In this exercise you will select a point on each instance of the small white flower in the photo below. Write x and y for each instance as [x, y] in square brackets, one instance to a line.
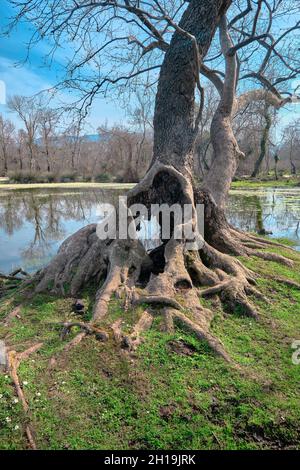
[8, 419]
[6, 377]
[38, 394]
[17, 427]
[15, 400]
[25, 382]
[63, 382]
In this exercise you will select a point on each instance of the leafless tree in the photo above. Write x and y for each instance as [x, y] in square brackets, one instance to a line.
[264, 141]
[292, 142]
[257, 41]
[118, 41]
[7, 130]
[47, 123]
[20, 146]
[28, 110]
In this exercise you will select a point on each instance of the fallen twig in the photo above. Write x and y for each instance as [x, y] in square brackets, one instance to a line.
[14, 359]
[15, 313]
[19, 271]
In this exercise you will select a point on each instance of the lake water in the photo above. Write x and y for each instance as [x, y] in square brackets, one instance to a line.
[33, 223]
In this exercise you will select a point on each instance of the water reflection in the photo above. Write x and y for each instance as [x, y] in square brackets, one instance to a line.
[274, 211]
[33, 223]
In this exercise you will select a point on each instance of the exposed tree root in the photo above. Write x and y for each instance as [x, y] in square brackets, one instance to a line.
[171, 279]
[158, 300]
[86, 328]
[14, 359]
[71, 344]
[202, 334]
[287, 282]
[129, 342]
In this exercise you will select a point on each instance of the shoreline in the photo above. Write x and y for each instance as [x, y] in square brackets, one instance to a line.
[241, 184]
[74, 185]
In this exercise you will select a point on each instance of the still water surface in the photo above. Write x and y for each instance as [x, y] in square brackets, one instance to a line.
[33, 223]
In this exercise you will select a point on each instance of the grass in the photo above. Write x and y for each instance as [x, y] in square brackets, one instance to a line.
[165, 399]
[243, 184]
[256, 184]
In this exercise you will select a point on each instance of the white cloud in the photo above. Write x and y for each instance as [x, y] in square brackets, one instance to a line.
[20, 79]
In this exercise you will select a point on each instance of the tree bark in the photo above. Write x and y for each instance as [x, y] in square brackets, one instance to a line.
[226, 156]
[174, 117]
[226, 152]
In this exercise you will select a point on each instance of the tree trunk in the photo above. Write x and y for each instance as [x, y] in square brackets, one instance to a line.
[31, 155]
[166, 277]
[263, 145]
[20, 158]
[276, 160]
[226, 156]
[293, 166]
[226, 152]
[48, 159]
[130, 174]
[174, 117]
[5, 160]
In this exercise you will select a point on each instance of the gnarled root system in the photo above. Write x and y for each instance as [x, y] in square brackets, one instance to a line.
[170, 280]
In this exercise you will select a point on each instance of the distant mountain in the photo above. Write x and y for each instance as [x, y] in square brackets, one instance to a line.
[93, 137]
[87, 137]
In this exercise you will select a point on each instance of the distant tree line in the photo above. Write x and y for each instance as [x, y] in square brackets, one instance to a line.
[51, 146]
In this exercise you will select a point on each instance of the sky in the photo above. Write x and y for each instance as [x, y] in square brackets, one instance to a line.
[27, 77]
[19, 76]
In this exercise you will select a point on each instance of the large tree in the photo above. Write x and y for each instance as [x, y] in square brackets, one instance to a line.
[255, 60]
[131, 32]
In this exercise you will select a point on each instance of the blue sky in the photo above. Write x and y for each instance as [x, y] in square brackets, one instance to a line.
[31, 76]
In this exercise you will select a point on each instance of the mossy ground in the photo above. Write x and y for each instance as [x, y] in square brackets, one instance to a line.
[175, 394]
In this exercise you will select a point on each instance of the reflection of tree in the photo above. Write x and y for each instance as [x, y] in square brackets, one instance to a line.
[48, 215]
[245, 211]
[273, 210]
[11, 214]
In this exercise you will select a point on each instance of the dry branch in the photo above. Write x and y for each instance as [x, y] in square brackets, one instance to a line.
[14, 359]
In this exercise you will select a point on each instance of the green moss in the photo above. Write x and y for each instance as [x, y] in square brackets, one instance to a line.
[94, 398]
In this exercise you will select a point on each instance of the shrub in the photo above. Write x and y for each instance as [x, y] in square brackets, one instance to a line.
[45, 178]
[21, 176]
[26, 177]
[103, 178]
[84, 178]
[67, 177]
